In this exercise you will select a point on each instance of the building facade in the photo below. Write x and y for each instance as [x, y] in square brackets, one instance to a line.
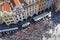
[41, 5]
[1, 14]
[30, 7]
[17, 10]
[18, 13]
[22, 9]
[9, 19]
[6, 13]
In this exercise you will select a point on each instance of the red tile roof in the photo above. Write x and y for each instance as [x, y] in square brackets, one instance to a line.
[16, 2]
[6, 7]
[0, 0]
[0, 7]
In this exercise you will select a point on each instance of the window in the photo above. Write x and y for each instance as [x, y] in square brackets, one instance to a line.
[42, 4]
[23, 16]
[40, 1]
[12, 21]
[32, 7]
[41, 8]
[28, 14]
[29, 2]
[8, 22]
[4, 16]
[16, 16]
[36, 6]
[39, 5]
[2, 0]
[27, 9]
[6, 19]
[46, 0]
[8, 15]
[10, 18]
[20, 17]
[16, 19]
[35, 10]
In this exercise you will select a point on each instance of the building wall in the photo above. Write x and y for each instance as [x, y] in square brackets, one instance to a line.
[9, 19]
[42, 4]
[30, 1]
[18, 13]
[30, 9]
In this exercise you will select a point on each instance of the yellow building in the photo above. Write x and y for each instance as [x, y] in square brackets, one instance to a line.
[41, 4]
[6, 14]
[8, 19]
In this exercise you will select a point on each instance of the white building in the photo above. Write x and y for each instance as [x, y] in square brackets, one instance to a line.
[18, 13]
[30, 8]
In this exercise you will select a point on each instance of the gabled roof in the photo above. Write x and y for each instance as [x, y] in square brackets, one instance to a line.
[15, 2]
[6, 7]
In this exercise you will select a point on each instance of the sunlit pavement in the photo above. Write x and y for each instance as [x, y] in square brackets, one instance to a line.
[56, 34]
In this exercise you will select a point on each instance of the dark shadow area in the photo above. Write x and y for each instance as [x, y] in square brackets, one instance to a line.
[34, 15]
[56, 17]
[3, 26]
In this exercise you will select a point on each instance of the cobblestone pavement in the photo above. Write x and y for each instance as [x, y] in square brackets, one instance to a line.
[33, 32]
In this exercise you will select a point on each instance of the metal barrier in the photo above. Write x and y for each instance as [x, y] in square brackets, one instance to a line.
[10, 29]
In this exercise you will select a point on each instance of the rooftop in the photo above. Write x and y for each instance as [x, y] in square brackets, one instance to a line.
[0, 8]
[6, 7]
